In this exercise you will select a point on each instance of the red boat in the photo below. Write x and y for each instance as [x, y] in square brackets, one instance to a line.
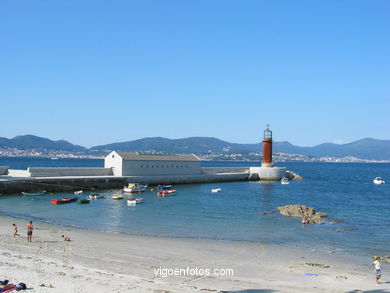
[64, 200]
[165, 190]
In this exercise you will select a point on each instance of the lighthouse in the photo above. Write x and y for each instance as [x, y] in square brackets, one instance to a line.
[267, 171]
[267, 148]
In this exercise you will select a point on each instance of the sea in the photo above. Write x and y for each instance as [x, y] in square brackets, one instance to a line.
[242, 211]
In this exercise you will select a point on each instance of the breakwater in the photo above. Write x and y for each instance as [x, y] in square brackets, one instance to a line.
[12, 185]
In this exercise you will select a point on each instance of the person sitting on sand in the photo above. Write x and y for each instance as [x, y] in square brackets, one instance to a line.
[377, 269]
[66, 238]
[15, 230]
[305, 220]
[5, 288]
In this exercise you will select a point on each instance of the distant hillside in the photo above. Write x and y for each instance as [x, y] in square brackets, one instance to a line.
[368, 148]
[195, 145]
[26, 142]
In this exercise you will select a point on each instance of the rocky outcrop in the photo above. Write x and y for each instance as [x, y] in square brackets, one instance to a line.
[293, 176]
[300, 211]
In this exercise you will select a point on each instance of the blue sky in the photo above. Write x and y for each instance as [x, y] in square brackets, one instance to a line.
[96, 72]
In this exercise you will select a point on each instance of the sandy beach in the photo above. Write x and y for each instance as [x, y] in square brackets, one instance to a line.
[113, 262]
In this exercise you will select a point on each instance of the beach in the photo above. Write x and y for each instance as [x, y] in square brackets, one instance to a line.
[120, 262]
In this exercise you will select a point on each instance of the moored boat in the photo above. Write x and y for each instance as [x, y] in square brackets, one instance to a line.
[34, 193]
[165, 190]
[284, 180]
[95, 196]
[378, 180]
[117, 197]
[83, 201]
[133, 201]
[64, 200]
[135, 187]
[78, 192]
[214, 190]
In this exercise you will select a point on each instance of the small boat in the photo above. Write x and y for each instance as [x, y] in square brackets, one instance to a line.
[134, 201]
[95, 196]
[284, 180]
[64, 200]
[165, 190]
[135, 187]
[214, 190]
[34, 193]
[83, 201]
[378, 180]
[117, 197]
[78, 192]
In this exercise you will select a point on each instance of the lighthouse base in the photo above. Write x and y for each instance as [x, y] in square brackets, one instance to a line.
[268, 173]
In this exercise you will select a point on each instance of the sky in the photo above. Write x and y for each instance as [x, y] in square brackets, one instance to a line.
[95, 72]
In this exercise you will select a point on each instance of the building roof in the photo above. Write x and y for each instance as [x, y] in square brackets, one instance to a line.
[155, 157]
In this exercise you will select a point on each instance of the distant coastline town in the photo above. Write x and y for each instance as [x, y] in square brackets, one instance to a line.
[367, 150]
[239, 157]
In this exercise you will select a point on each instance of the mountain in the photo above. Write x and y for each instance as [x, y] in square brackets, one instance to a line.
[196, 145]
[367, 148]
[26, 142]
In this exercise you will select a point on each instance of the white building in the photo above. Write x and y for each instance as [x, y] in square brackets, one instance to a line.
[134, 164]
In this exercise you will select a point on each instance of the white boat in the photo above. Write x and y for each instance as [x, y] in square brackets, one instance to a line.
[378, 180]
[214, 190]
[284, 180]
[34, 193]
[78, 192]
[134, 201]
[95, 196]
[135, 187]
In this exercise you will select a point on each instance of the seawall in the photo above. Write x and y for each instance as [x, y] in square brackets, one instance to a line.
[71, 183]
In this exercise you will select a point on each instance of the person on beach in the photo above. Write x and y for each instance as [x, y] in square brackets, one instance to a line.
[377, 269]
[304, 220]
[30, 229]
[15, 230]
[7, 288]
[66, 238]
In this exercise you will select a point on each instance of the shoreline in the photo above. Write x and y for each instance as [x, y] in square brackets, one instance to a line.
[328, 250]
[121, 262]
[333, 250]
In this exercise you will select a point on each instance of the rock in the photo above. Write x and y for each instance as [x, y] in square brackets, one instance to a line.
[292, 176]
[296, 210]
[265, 213]
[350, 228]
[321, 215]
[301, 211]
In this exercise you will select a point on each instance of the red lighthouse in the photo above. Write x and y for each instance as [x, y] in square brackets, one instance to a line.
[267, 148]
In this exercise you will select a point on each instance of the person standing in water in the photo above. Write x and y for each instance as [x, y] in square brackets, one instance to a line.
[15, 230]
[377, 269]
[30, 229]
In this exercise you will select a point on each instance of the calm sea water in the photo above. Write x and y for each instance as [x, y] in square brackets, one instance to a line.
[344, 191]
